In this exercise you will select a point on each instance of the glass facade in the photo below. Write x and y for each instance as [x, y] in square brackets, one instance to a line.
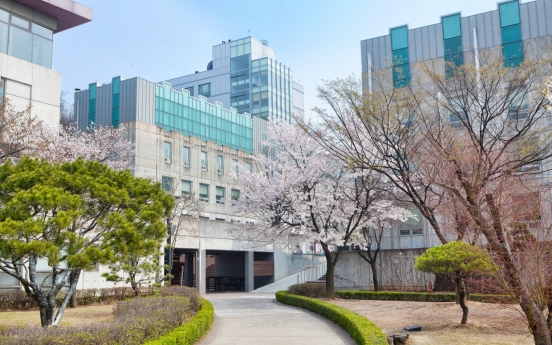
[25, 40]
[115, 88]
[452, 36]
[510, 28]
[92, 105]
[401, 63]
[261, 87]
[177, 111]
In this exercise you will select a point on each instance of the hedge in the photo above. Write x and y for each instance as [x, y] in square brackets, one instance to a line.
[419, 296]
[362, 330]
[191, 331]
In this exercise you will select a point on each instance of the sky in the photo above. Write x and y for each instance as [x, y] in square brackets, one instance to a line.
[163, 39]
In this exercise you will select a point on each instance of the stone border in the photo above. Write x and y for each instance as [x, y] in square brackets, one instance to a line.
[362, 330]
[192, 331]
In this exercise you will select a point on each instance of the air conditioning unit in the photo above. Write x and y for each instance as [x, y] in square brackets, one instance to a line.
[220, 171]
[220, 202]
[167, 160]
[187, 164]
[204, 167]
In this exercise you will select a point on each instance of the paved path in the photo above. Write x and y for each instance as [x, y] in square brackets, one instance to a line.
[257, 319]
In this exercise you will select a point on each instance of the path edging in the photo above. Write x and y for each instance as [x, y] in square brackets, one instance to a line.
[192, 331]
[362, 330]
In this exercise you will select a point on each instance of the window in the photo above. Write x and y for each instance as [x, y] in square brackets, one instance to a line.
[186, 156]
[510, 28]
[452, 36]
[221, 191]
[517, 108]
[457, 114]
[191, 89]
[401, 64]
[92, 88]
[248, 166]
[417, 232]
[185, 188]
[405, 232]
[116, 88]
[220, 164]
[167, 148]
[203, 160]
[204, 192]
[166, 183]
[235, 194]
[235, 165]
[204, 90]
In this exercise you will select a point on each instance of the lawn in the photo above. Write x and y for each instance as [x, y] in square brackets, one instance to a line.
[487, 323]
[71, 317]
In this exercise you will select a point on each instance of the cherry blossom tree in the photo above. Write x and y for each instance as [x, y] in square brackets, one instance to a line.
[300, 194]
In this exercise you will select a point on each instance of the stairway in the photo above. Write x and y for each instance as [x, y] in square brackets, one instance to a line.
[321, 280]
[210, 272]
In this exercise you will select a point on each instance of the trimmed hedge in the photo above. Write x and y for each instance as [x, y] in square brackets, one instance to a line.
[191, 331]
[420, 296]
[362, 330]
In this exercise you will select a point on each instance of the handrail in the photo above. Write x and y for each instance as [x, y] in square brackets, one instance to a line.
[312, 273]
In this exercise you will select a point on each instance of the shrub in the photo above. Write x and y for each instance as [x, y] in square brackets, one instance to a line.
[191, 331]
[191, 293]
[134, 321]
[308, 290]
[419, 296]
[362, 330]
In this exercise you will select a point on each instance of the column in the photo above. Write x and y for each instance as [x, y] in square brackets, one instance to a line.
[249, 272]
[201, 259]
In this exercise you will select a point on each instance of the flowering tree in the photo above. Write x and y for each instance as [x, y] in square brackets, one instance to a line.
[18, 131]
[300, 194]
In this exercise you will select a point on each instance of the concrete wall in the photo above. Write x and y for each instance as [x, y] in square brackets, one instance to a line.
[33, 85]
[230, 264]
[395, 270]
[286, 263]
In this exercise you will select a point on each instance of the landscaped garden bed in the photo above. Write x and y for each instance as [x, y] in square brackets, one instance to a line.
[134, 322]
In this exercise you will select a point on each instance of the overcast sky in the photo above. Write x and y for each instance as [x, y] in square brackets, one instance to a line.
[162, 39]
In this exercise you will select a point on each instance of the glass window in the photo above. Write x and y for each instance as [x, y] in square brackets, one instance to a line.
[405, 232]
[511, 33]
[21, 44]
[235, 194]
[167, 148]
[204, 192]
[186, 155]
[512, 51]
[191, 89]
[517, 108]
[417, 232]
[4, 31]
[451, 26]
[42, 51]
[166, 183]
[509, 13]
[400, 56]
[21, 22]
[239, 63]
[185, 188]
[248, 166]
[204, 90]
[42, 31]
[203, 160]
[234, 165]
[4, 16]
[221, 191]
[220, 164]
[399, 38]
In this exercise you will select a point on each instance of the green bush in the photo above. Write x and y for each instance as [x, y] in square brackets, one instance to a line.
[308, 290]
[191, 331]
[362, 330]
[419, 296]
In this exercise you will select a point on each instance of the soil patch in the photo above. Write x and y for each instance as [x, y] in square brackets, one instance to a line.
[71, 317]
[487, 323]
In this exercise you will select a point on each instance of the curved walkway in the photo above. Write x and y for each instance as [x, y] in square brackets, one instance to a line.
[248, 319]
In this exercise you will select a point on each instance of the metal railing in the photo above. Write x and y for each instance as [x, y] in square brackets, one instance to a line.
[311, 273]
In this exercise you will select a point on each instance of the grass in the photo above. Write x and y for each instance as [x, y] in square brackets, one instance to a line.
[71, 317]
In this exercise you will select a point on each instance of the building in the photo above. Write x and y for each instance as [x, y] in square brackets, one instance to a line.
[514, 31]
[244, 74]
[27, 29]
[189, 145]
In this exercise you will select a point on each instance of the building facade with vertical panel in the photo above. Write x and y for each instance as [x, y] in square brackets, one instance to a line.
[244, 74]
[513, 31]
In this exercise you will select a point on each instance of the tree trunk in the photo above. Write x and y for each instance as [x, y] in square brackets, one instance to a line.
[375, 276]
[330, 287]
[46, 309]
[73, 300]
[461, 288]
